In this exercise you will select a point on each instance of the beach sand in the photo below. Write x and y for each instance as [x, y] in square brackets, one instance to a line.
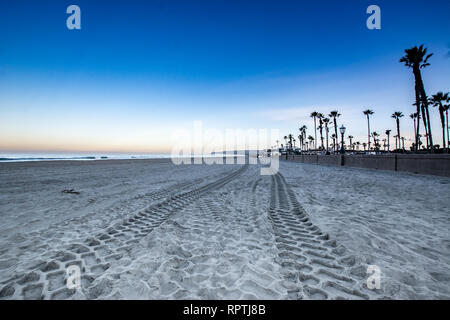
[148, 229]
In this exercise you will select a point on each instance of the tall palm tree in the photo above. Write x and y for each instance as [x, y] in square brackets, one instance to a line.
[335, 114]
[290, 137]
[368, 113]
[320, 116]
[396, 141]
[388, 133]
[446, 107]
[375, 140]
[397, 115]
[437, 100]
[350, 138]
[325, 122]
[303, 134]
[414, 117]
[311, 140]
[314, 115]
[416, 58]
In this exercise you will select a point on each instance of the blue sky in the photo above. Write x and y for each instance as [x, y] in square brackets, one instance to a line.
[137, 70]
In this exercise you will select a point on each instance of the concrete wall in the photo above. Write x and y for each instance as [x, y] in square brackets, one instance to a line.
[310, 159]
[425, 164]
[379, 162]
[422, 164]
[330, 160]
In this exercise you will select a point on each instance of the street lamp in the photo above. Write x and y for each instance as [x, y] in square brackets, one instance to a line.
[342, 130]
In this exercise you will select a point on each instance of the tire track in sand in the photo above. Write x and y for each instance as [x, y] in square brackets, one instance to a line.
[315, 266]
[221, 247]
[47, 279]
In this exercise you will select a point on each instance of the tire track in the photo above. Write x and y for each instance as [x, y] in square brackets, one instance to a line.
[221, 247]
[94, 255]
[314, 266]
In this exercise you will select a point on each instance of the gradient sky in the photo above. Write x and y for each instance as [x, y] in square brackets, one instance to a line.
[138, 70]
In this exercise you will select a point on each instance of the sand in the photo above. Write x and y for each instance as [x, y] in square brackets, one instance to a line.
[147, 229]
[397, 221]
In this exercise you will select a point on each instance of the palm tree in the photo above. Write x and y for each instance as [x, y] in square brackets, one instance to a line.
[368, 113]
[396, 139]
[303, 134]
[357, 145]
[314, 115]
[285, 141]
[437, 100]
[414, 117]
[416, 58]
[321, 116]
[375, 141]
[325, 122]
[364, 145]
[290, 137]
[311, 140]
[350, 138]
[397, 115]
[446, 107]
[388, 133]
[335, 114]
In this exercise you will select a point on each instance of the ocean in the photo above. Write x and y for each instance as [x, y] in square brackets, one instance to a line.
[19, 157]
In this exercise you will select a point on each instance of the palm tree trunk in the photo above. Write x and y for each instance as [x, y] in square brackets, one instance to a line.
[423, 98]
[415, 133]
[321, 137]
[398, 130]
[448, 138]
[315, 134]
[441, 114]
[424, 119]
[335, 133]
[368, 132]
[443, 139]
[416, 72]
[429, 125]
